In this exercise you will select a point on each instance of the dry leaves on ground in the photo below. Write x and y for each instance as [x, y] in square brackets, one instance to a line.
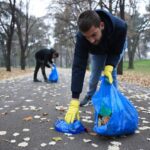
[15, 72]
[140, 79]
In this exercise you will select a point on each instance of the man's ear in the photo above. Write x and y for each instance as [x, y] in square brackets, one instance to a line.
[101, 25]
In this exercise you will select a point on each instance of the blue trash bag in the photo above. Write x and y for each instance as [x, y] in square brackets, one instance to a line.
[73, 128]
[108, 101]
[53, 76]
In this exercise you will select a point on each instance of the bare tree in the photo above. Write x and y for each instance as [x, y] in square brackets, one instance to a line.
[24, 26]
[137, 25]
[7, 23]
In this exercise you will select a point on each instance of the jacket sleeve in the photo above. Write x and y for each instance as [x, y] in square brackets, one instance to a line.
[79, 66]
[47, 60]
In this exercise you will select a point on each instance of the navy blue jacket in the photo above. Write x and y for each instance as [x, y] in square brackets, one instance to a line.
[112, 42]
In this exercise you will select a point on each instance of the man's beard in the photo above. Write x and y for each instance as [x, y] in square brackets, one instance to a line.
[96, 42]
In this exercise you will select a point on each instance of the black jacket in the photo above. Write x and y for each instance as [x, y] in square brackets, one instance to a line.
[112, 43]
[45, 56]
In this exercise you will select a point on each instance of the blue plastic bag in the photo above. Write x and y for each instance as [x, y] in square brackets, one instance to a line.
[73, 128]
[53, 76]
[123, 117]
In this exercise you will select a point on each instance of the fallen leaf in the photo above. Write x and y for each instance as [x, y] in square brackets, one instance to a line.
[4, 113]
[45, 114]
[93, 133]
[71, 138]
[29, 118]
[61, 108]
[57, 139]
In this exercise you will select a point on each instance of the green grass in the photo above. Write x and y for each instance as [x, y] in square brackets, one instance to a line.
[140, 66]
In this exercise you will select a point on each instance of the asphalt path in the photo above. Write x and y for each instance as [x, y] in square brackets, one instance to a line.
[29, 110]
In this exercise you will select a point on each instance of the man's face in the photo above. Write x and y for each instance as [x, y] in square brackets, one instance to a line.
[94, 34]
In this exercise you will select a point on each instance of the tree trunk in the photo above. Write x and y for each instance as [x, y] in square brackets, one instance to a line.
[8, 62]
[130, 54]
[131, 60]
[10, 31]
[122, 5]
[22, 60]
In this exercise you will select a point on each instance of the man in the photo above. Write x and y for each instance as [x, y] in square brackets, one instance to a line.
[103, 35]
[44, 58]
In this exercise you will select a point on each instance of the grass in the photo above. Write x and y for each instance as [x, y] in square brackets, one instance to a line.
[140, 66]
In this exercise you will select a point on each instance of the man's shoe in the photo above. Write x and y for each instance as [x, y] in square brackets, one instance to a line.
[47, 81]
[86, 101]
[36, 80]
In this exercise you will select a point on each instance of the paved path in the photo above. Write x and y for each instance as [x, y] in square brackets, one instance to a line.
[28, 112]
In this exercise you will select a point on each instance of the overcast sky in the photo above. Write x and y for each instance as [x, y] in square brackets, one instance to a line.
[38, 7]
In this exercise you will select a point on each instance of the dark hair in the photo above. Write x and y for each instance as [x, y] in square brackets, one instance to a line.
[87, 19]
[56, 54]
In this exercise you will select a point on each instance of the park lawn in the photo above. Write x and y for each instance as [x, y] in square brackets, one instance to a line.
[140, 66]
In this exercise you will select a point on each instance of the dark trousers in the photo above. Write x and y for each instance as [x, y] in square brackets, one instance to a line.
[39, 64]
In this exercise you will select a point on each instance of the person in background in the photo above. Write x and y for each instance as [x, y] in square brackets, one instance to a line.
[103, 36]
[43, 59]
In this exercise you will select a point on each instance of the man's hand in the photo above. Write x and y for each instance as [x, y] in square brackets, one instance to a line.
[48, 66]
[108, 73]
[73, 111]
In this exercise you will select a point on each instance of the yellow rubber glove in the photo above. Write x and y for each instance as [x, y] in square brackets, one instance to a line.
[108, 73]
[73, 111]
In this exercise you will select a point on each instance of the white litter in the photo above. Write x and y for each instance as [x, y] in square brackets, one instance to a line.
[23, 144]
[36, 117]
[28, 100]
[113, 147]
[43, 144]
[12, 141]
[87, 140]
[3, 132]
[116, 143]
[144, 128]
[52, 143]
[16, 134]
[13, 111]
[26, 139]
[68, 134]
[26, 130]
[148, 139]
[137, 131]
[94, 145]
